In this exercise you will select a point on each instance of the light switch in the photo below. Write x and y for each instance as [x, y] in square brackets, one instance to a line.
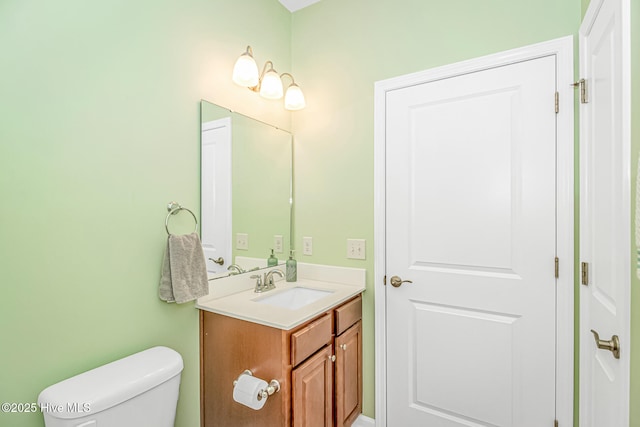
[356, 249]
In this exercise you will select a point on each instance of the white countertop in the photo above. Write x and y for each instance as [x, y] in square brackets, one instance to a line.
[235, 296]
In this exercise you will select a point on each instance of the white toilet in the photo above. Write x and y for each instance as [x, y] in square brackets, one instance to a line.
[139, 390]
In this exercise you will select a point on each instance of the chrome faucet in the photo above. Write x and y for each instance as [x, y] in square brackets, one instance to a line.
[268, 279]
[235, 269]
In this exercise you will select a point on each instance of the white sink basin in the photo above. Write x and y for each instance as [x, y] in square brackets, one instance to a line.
[293, 298]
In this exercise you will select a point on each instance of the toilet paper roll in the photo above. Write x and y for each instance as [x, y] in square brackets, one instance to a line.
[247, 389]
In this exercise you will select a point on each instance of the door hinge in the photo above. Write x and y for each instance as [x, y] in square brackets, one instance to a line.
[557, 270]
[585, 273]
[555, 423]
[557, 102]
[582, 84]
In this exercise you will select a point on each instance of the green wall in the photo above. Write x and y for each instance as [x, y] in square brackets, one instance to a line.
[261, 187]
[370, 41]
[100, 129]
[100, 113]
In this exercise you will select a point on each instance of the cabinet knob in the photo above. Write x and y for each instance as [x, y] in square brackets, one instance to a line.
[332, 357]
[343, 346]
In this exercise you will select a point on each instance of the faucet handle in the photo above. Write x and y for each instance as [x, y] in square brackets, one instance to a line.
[259, 287]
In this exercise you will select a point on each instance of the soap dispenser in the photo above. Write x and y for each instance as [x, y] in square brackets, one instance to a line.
[272, 261]
[292, 268]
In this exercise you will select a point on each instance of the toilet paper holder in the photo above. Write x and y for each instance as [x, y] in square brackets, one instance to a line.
[273, 387]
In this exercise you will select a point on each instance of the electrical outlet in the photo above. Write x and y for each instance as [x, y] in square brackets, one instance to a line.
[356, 249]
[307, 246]
[242, 241]
[277, 243]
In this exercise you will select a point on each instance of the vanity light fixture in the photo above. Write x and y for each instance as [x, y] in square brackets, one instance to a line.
[268, 83]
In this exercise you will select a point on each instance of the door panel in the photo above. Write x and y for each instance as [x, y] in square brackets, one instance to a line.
[215, 193]
[451, 157]
[470, 220]
[604, 215]
[482, 358]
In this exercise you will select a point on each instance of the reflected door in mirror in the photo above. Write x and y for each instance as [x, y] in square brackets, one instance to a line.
[216, 194]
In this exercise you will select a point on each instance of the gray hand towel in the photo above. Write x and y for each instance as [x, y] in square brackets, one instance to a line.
[184, 273]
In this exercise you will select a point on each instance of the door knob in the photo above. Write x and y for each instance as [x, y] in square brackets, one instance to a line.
[218, 261]
[613, 345]
[396, 281]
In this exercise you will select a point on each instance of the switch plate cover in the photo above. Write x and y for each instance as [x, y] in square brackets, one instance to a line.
[356, 249]
[307, 246]
[277, 243]
[242, 241]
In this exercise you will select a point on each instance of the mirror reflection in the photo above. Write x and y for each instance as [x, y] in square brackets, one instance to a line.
[246, 191]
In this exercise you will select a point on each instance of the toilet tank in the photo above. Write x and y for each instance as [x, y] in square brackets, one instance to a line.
[139, 390]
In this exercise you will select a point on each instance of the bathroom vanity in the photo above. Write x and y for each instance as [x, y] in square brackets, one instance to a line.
[313, 348]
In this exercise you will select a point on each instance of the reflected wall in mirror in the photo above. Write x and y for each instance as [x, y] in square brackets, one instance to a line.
[246, 190]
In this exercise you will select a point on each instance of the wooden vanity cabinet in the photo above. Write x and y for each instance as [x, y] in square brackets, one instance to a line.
[318, 364]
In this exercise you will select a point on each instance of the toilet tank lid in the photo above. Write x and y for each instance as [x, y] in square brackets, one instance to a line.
[108, 385]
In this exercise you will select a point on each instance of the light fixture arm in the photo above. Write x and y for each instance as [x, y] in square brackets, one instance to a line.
[287, 74]
[257, 87]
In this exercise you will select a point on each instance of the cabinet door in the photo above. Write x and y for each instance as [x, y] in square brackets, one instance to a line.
[313, 391]
[348, 381]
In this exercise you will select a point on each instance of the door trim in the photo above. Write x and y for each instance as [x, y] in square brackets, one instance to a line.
[562, 48]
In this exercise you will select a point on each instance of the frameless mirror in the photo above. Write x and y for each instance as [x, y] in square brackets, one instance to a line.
[246, 191]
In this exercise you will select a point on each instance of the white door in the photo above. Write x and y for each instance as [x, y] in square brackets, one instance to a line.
[604, 214]
[471, 222]
[215, 194]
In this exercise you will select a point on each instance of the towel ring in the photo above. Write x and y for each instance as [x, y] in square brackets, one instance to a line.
[173, 209]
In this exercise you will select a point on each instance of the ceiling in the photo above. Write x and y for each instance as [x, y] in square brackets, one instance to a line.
[294, 5]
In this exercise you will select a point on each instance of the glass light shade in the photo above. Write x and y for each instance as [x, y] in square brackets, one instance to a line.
[294, 98]
[271, 87]
[245, 72]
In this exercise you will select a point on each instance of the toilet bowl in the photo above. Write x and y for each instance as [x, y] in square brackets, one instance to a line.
[139, 390]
